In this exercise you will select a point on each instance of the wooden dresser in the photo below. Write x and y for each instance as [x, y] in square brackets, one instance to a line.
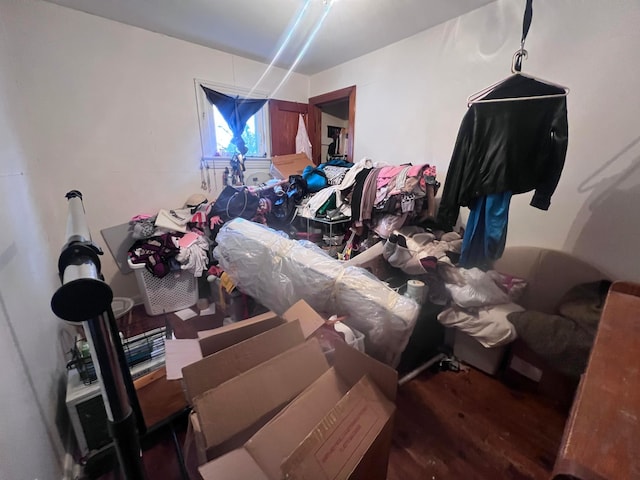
[602, 436]
[159, 398]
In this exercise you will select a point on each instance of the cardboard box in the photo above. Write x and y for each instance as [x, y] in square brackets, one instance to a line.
[217, 339]
[256, 340]
[212, 341]
[352, 440]
[283, 166]
[271, 397]
[298, 323]
[240, 402]
[211, 371]
[190, 351]
[339, 426]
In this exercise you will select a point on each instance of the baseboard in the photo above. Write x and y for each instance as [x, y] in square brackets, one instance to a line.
[137, 299]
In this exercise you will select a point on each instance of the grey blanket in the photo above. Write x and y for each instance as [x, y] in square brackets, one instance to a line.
[564, 340]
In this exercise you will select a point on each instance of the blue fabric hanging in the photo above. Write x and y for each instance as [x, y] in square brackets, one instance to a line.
[486, 232]
[236, 111]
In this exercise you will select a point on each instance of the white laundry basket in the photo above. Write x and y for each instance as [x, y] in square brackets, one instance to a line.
[174, 291]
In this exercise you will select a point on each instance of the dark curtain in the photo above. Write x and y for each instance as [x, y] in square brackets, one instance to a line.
[236, 111]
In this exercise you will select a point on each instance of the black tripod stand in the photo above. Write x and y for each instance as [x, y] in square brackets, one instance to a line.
[85, 298]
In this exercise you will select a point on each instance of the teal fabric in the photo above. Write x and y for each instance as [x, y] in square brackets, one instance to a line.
[315, 178]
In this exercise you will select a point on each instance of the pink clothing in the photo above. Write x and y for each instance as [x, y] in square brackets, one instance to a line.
[387, 174]
[142, 216]
[403, 179]
[415, 170]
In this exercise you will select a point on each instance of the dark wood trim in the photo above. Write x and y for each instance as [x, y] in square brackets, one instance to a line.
[315, 119]
[332, 96]
[289, 106]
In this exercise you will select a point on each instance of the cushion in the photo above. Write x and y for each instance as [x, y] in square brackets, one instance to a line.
[549, 274]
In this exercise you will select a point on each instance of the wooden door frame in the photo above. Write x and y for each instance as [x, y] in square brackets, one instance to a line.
[315, 119]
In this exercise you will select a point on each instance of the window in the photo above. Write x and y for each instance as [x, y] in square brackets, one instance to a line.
[216, 135]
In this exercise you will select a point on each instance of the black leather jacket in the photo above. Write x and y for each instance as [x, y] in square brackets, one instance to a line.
[515, 145]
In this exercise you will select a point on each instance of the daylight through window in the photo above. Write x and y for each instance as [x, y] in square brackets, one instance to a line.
[216, 135]
[224, 145]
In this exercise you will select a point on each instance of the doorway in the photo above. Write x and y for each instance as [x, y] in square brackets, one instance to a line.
[341, 106]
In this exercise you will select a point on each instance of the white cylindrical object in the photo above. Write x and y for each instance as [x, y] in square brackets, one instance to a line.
[77, 228]
[416, 290]
[86, 270]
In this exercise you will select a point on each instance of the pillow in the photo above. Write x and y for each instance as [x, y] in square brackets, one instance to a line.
[488, 325]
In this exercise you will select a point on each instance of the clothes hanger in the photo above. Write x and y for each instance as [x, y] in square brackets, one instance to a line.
[478, 97]
[516, 70]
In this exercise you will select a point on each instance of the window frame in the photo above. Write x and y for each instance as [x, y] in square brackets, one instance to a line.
[207, 124]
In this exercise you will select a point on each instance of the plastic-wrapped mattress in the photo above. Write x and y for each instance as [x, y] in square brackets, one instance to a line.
[278, 272]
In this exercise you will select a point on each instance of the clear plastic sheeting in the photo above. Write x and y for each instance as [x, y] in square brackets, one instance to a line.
[278, 272]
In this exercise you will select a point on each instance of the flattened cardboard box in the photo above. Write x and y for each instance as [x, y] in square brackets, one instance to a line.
[282, 166]
[212, 341]
[217, 339]
[339, 427]
[185, 352]
[254, 341]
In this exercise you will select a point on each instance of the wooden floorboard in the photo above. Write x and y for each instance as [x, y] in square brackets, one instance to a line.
[469, 425]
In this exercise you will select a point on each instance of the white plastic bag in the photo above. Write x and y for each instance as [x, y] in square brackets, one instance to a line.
[479, 290]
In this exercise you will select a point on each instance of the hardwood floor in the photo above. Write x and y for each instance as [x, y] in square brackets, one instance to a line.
[468, 425]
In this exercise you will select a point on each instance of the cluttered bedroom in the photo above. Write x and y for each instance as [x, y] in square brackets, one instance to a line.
[320, 239]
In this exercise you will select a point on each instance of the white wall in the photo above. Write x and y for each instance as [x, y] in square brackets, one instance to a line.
[411, 98]
[110, 110]
[31, 364]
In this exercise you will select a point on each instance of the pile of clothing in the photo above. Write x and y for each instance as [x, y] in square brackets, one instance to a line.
[173, 240]
[480, 304]
[380, 197]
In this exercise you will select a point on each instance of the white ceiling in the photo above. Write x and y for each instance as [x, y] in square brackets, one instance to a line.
[257, 28]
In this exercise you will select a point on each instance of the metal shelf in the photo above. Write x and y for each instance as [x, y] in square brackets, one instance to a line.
[325, 221]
